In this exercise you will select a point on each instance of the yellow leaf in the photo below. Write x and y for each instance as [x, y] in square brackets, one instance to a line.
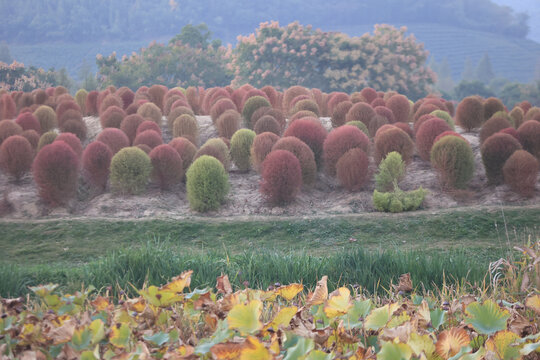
[339, 303]
[450, 342]
[421, 344]
[274, 346]
[501, 345]
[100, 303]
[423, 311]
[320, 294]
[283, 318]
[290, 291]
[255, 350]
[119, 336]
[179, 282]
[227, 350]
[245, 318]
[533, 302]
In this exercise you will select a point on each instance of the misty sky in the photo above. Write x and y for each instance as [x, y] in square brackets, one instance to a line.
[531, 7]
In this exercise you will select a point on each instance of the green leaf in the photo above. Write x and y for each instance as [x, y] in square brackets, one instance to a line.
[159, 338]
[98, 330]
[393, 351]
[487, 318]
[380, 317]
[43, 290]
[120, 335]
[464, 354]
[300, 349]
[464, 351]
[81, 339]
[88, 355]
[319, 355]
[354, 318]
[245, 317]
[529, 348]
[221, 334]
[437, 318]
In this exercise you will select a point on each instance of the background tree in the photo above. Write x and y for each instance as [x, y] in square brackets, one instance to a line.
[484, 70]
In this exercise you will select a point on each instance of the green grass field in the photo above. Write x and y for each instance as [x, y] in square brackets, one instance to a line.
[369, 250]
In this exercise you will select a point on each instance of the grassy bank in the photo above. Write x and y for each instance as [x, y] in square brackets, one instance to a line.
[365, 250]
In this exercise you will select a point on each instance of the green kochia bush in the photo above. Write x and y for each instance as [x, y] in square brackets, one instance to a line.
[241, 143]
[130, 170]
[454, 159]
[207, 184]
[399, 200]
[252, 104]
[391, 169]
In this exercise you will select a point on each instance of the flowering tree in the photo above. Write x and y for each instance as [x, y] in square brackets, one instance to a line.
[282, 56]
[15, 77]
[386, 60]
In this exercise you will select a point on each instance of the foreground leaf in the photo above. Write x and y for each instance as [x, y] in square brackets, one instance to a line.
[487, 318]
[245, 318]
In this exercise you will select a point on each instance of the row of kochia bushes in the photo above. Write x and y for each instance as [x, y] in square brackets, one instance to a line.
[278, 134]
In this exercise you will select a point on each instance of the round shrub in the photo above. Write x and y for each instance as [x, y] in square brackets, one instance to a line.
[96, 161]
[359, 125]
[399, 104]
[175, 113]
[220, 107]
[224, 154]
[378, 102]
[168, 105]
[491, 106]
[352, 169]
[150, 110]
[405, 127]
[91, 103]
[253, 92]
[525, 106]
[447, 133]
[109, 101]
[130, 124]
[28, 121]
[261, 147]
[56, 170]
[418, 123]
[396, 140]
[426, 135]
[369, 94]
[149, 138]
[470, 113]
[281, 177]
[207, 184]
[296, 100]
[292, 93]
[60, 90]
[32, 136]
[383, 129]
[69, 115]
[441, 114]
[391, 171]
[112, 117]
[251, 105]
[40, 96]
[193, 98]
[510, 131]
[241, 143]
[132, 109]
[72, 140]
[9, 128]
[376, 123]
[130, 170]
[148, 125]
[386, 112]
[157, 94]
[312, 133]
[46, 139]
[127, 96]
[144, 148]
[336, 98]
[279, 116]
[532, 114]
[228, 123]
[167, 167]
[521, 172]
[529, 137]
[357, 97]
[66, 106]
[260, 112]
[492, 126]
[185, 149]
[16, 155]
[495, 151]
[8, 108]
[454, 160]
[186, 125]
[114, 138]
[76, 127]
[360, 111]
[517, 116]
[306, 104]
[267, 123]
[302, 114]
[341, 140]
[304, 155]
[425, 109]
[80, 99]
[272, 95]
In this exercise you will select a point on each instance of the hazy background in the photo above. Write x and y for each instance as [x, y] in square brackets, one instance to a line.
[458, 33]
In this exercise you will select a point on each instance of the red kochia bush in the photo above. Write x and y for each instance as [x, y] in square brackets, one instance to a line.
[492, 126]
[112, 117]
[352, 169]
[510, 131]
[393, 139]
[185, 149]
[55, 171]
[148, 137]
[267, 123]
[16, 155]
[426, 135]
[281, 177]
[32, 136]
[114, 138]
[304, 155]
[341, 140]
[495, 151]
[167, 168]
[470, 113]
[369, 94]
[340, 112]
[386, 112]
[334, 99]
[261, 147]
[157, 94]
[445, 133]
[405, 127]
[228, 123]
[77, 127]
[491, 106]
[130, 124]
[91, 103]
[127, 96]
[290, 94]
[96, 161]
[192, 96]
[28, 121]
[310, 132]
[360, 111]
[378, 102]
[9, 128]
[66, 106]
[110, 100]
[148, 125]
[72, 140]
[272, 96]
[521, 172]
[8, 109]
[529, 136]
[220, 107]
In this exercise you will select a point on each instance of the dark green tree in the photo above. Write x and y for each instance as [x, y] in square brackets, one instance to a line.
[484, 70]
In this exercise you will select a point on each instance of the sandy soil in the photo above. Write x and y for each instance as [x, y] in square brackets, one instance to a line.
[325, 197]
